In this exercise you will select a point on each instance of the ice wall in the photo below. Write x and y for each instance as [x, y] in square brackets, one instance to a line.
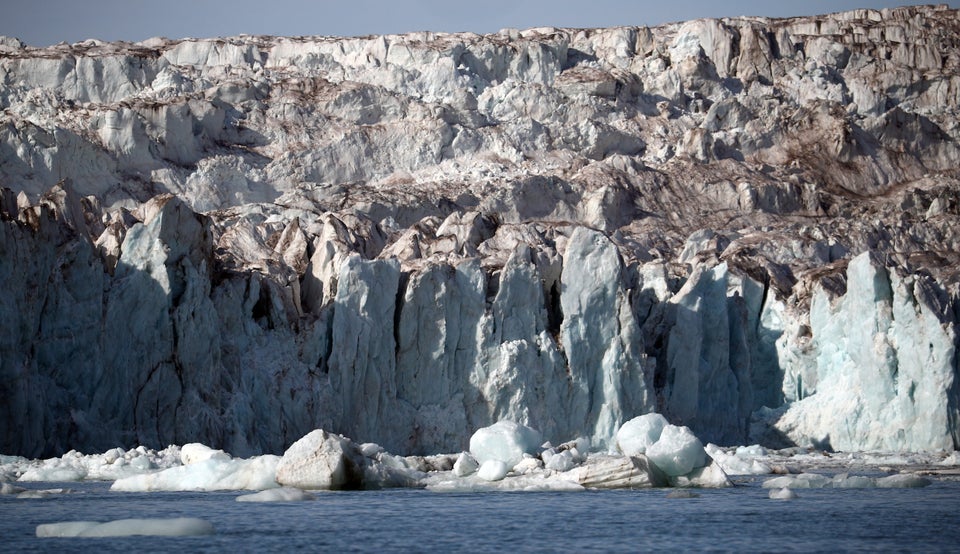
[748, 225]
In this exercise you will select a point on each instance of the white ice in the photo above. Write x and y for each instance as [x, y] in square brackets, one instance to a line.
[113, 464]
[743, 462]
[175, 527]
[638, 434]
[845, 481]
[493, 470]
[678, 451]
[465, 465]
[283, 494]
[538, 482]
[257, 473]
[782, 494]
[195, 452]
[505, 441]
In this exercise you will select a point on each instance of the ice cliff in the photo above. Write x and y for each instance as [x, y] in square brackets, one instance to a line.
[750, 226]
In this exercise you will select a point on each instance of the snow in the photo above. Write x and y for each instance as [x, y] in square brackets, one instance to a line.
[505, 441]
[175, 527]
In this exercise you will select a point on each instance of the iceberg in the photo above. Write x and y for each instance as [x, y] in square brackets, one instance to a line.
[677, 451]
[175, 527]
[505, 442]
[282, 494]
[212, 474]
[845, 481]
[640, 433]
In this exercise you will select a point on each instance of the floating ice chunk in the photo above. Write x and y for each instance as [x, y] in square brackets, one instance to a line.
[578, 447]
[176, 527]
[321, 460]
[493, 470]
[283, 494]
[195, 452]
[141, 463]
[7, 488]
[505, 441]
[113, 464]
[43, 493]
[678, 451]
[638, 434]
[752, 451]
[844, 481]
[734, 464]
[617, 472]
[801, 481]
[465, 465]
[370, 449]
[112, 455]
[951, 460]
[257, 473]
[710, 476]
[902, 481]
[682, 494]
[782, 494]
[529, 483]
[560, 461]
[54, 470]
[528, 464]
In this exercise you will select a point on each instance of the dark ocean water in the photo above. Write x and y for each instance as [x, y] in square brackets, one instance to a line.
[741, 519]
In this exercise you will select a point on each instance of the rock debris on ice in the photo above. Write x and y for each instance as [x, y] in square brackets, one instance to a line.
[747, 225]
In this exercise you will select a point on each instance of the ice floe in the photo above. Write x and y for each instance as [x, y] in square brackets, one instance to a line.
[508, 456]
[175, 527]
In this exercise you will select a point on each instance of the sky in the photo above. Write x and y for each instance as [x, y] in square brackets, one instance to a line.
[45, 22]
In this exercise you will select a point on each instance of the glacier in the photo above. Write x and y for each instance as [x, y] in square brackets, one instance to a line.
[750, 226]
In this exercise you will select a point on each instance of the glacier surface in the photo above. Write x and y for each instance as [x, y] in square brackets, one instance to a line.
[750, 226]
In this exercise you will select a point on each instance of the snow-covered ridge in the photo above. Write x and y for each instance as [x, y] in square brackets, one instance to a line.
[748, 225]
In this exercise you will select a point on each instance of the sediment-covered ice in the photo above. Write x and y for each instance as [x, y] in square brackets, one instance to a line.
[175, 527]
[747, 224]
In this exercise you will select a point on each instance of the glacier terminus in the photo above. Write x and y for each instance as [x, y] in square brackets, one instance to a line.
[748, 226]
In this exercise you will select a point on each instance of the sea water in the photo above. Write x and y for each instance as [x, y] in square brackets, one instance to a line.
[741, 519]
